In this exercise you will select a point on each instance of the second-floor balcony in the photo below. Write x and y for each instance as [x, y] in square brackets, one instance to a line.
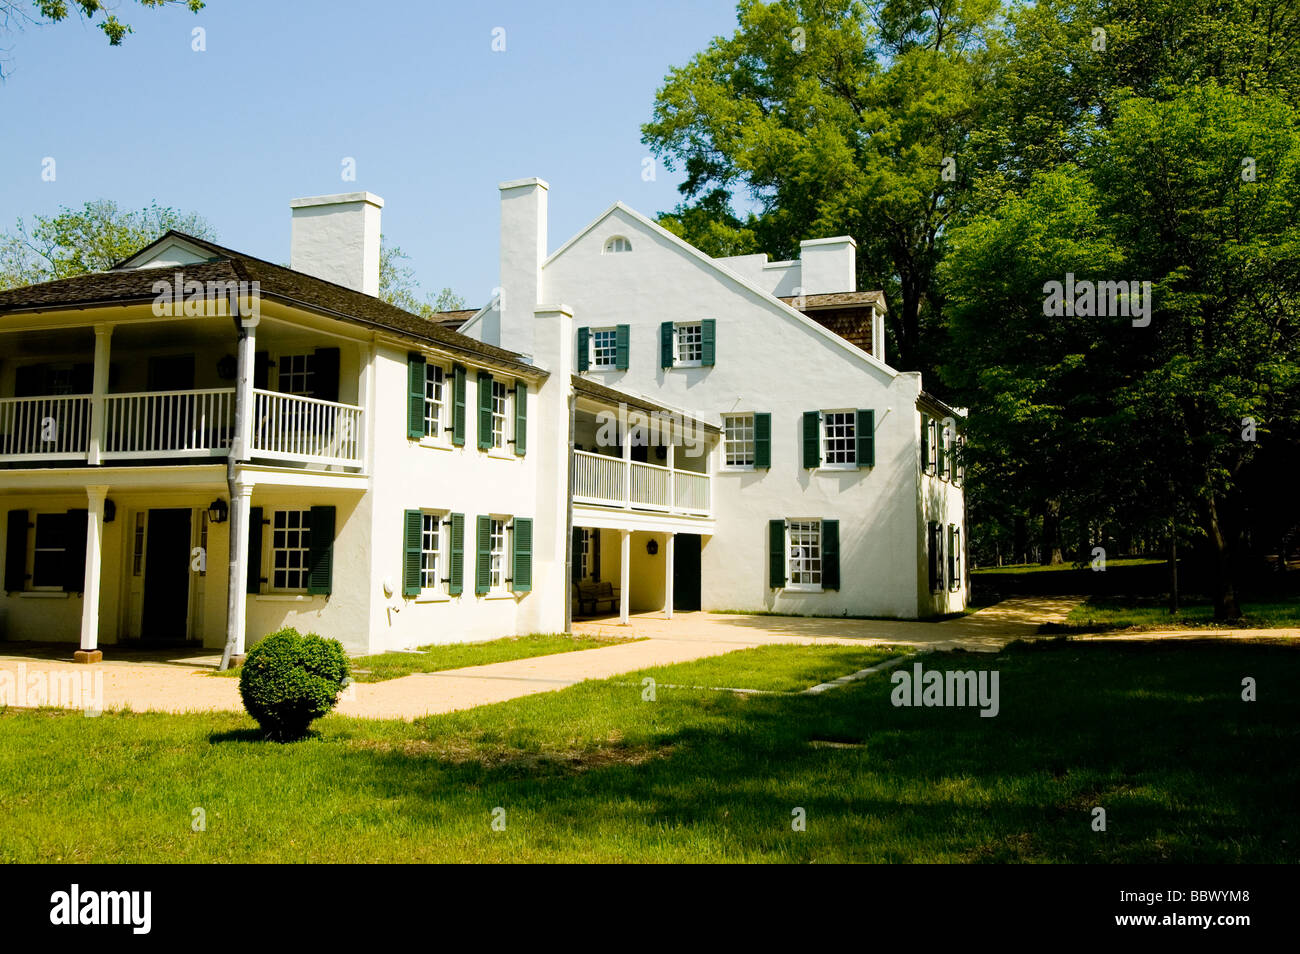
[613, 482]
[147, 425]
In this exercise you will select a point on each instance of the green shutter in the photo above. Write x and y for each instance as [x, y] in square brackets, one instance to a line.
[320, 575]
[521, 418]
[866, 438]
[484, 410]
[830, 554]
[776, 553]
[812, 444]
[584, 349]
[458, 405]
[575, 556]
[16, 551]
[74, 554]
[456, 577]
[415, 395]
[709, 349]
[412, 532]
[261, 370]
[620, 347]
[483, 565]
[522, 561]
[763, 440]
[925, 442]
[666, 344]
[254, 582]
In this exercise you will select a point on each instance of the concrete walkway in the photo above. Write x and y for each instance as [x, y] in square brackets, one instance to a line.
[184, 683]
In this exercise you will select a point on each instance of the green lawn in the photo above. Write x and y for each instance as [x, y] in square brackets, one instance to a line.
[772, 668]
[1155, 733]
[386, 666]
[1068, 565]
[1101, 613]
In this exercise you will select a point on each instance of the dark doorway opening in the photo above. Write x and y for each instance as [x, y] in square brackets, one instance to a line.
[167, 576]
[686, 572]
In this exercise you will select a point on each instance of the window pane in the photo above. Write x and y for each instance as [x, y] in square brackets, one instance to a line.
[690, 342]
[840, 430]
[290, 549]
[498, 414]
[805, 552]
[738, 439]
[604, 348]
[433, 400]
[429, 551]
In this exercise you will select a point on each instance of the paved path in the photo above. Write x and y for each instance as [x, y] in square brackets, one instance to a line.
[185, 683]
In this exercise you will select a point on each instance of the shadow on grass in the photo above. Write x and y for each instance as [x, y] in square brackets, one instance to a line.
[1159, 736]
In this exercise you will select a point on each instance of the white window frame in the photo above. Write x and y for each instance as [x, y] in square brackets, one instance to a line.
[824, 437]
[616, 244]
[746, 425]
[436, 380]
[498, 561]
[678, 328]
[30, 582]
[593, 351]
[270, 549]
[500, 421]
[436, 587]
[803, 586]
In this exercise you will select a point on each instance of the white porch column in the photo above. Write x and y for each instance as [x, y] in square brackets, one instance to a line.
[103, 334]
[237, 595]
[243, 449]
[672, 477]
[89, 651]
[627, 460]
[669, 548]
[625, 574]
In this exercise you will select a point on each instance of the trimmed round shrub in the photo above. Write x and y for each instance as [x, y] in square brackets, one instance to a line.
[290, 680]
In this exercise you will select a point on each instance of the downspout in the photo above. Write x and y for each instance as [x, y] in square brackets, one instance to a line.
[568, 515]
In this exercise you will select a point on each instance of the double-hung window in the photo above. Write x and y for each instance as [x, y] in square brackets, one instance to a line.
[804, 554]
[689, 344]
[738, 440]
[296, 374]
[430, 551]
[839, 439]
[49, 551]
[954, 557]
[496, 555]
[500, 395]
[604, 348]
[290, 549]
[435, 399]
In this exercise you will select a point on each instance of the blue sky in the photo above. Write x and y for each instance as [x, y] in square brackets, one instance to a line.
[413, 91]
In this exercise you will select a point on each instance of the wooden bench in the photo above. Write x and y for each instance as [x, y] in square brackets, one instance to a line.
[593, 594]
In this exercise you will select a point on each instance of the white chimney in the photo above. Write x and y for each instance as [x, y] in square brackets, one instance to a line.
[828, 265]
[336, 237]
[523, 249]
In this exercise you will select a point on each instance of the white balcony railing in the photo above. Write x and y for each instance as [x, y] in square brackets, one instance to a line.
[161, 424]
[182, 423]
[51, 428]
[306, 429]
[602, 480]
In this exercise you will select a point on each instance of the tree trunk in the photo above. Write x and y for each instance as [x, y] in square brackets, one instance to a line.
[1173, 568]
[1225, 594]
[1020, 540]
[1051, 555]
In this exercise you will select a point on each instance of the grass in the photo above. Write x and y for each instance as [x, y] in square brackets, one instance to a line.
[385, 666]
[1100, 614]
[772, 668]
[1017, 568]
[1157, 734]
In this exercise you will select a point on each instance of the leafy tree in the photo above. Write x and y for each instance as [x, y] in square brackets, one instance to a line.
[15, 14]
[398, 285]
[834, 117]
[95, 237]
[1200, 195]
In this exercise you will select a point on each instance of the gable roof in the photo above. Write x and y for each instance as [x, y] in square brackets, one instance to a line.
[689, 249]
[135, 285]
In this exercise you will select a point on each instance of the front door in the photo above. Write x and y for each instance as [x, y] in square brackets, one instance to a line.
[686, 572]
[167, 575]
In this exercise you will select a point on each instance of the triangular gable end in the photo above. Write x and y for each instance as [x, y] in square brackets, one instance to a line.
[171, 250]
[691, 251]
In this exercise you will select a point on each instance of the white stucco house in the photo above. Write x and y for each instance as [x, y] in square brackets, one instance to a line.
[201, 446]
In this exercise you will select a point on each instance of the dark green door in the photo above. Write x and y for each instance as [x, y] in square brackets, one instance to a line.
[686, 572]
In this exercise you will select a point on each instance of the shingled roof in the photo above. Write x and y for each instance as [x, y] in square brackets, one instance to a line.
[123, 286]
[607, 395]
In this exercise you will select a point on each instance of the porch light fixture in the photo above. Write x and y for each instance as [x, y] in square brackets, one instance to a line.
[217, 511]
[652, 547]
